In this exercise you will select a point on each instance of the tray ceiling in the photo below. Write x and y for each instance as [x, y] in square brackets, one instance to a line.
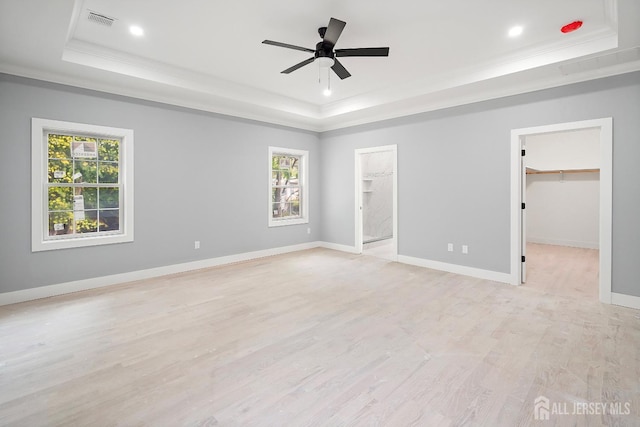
[208, 54]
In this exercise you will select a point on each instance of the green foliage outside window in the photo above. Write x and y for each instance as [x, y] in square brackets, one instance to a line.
[285, 183]
[92, 173]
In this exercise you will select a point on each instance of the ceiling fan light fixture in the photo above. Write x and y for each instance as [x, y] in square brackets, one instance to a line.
[325, 62]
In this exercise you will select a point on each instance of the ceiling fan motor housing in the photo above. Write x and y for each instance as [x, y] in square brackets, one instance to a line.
[323, 50]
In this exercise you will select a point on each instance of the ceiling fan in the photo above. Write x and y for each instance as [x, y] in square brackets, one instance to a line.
[325, 53]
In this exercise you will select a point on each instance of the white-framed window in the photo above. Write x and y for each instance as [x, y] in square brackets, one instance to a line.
[82, 185]
[288, 186]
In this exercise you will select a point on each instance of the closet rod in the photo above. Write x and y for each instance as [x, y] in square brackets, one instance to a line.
[539, 172]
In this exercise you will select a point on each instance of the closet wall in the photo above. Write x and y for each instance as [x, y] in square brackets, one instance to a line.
[563, 188]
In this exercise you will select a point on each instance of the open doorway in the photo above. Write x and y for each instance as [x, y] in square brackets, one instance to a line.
[560, 170]
[561, 220]
[376, 201]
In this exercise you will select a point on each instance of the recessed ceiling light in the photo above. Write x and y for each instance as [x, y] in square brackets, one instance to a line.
[326, 92]
[515, 31]
[136, 31]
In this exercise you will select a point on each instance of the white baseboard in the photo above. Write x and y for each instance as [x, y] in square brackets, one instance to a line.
[557, 242]
[337, 247]
[457, 269]
[625, 300]
[435, 265]
[116, 279]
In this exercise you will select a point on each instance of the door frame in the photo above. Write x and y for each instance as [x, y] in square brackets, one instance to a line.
[358, 221]
[606, 200]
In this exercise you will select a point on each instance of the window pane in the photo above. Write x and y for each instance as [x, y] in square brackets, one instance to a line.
[285, 194]
[108, 173]
[109, 198]
[90, 196]
[281, 210]
[292, 194]
[109, 149]
[60, 223]
[84, 148]
[59, 146]
[280, 162]
[285, 202]
[87, 222]
[60, 199]
[285, 177]
[275, 178]
[59, 170]
[109, 220]
[85, 171]
[294, 171]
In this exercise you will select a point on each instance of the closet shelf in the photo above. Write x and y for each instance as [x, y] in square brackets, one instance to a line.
[531, 171]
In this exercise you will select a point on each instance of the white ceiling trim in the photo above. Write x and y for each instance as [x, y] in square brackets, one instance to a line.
[478, 92]
[91, 55]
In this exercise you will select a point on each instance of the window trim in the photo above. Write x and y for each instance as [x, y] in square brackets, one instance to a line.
[304, 186]
[39, 181]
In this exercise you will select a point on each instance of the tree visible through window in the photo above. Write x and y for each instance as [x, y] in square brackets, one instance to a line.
[286, 186]
[83, 184]
[288, 181]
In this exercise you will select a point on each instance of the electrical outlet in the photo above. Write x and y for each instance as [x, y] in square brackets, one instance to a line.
[465, 249]
[450, 247]
[196, 244]
[309, 230]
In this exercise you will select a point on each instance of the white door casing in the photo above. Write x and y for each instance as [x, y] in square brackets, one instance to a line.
[605, 125]
[358, 221]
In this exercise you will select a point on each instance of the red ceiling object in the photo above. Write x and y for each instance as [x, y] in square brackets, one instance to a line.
[571, 27]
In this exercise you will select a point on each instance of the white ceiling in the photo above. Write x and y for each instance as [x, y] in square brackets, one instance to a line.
[207, 54]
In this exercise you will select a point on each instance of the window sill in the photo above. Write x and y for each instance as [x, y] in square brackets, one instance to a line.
[283, 222]
[48, 245]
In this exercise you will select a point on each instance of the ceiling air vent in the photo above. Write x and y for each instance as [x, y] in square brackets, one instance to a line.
[100, 19]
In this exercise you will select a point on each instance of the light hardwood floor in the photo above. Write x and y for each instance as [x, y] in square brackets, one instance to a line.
[563, 271]
[315, 338]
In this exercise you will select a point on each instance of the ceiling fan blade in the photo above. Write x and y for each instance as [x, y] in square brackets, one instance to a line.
[339, 69]
[300, 65]
[333, 31]
[288, 46]
[363, 51]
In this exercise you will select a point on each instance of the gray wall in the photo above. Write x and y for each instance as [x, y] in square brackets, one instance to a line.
[198, 176]
[453, 174]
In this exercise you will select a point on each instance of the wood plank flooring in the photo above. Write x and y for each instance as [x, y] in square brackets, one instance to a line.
[563, 270]
[315, 338]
